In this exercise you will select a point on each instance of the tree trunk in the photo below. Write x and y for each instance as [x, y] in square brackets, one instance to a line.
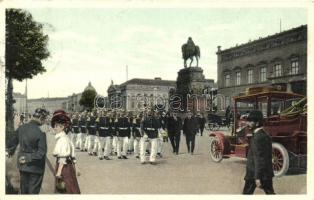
[9, 118]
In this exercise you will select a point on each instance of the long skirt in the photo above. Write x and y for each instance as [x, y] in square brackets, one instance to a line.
[68, 175]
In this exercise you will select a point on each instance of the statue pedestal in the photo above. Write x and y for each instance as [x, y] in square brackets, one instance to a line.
[190, 86]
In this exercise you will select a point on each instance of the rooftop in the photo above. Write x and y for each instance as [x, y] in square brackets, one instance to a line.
[156, 81]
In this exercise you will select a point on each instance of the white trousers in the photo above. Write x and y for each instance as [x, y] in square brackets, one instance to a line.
[90, 142]
[136, 146]
[104, 143]
[153, 150]
[160, 143]
[96, 143]
[131, 144]
[73, 137]
[122, 143]
[114, 143]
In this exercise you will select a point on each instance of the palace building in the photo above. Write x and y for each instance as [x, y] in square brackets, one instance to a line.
[277, 60]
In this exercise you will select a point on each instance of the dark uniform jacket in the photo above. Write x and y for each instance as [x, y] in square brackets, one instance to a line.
[151, 126]
[123, 127]
[136, 128]
[33, 146]
[174, 126]
[91, 125]
[113, 127]
[75, 126]
[103, 127]
[82, 125]
[163, 122]
[190, 126]
[259, 158]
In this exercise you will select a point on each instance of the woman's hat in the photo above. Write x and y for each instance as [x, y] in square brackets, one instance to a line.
[60, 117]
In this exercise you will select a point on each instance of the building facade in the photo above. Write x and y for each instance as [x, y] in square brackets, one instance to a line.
[277, 60]
[50, 104]
[136, 94]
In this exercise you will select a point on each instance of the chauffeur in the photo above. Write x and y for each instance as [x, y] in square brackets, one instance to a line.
[32, 153]
[259, 169]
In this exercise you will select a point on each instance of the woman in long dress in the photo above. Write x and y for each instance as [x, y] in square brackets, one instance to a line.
[66, 181]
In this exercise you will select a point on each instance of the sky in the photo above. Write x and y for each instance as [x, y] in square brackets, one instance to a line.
[96, 44]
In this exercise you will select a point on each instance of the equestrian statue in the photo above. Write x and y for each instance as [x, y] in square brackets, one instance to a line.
[190, 50]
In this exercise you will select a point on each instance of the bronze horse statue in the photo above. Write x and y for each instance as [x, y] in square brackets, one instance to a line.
[190, 50]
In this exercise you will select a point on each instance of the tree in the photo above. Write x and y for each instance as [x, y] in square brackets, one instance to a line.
[25, 48]
[88, 98]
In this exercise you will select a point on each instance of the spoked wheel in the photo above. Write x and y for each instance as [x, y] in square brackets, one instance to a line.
[280, 159]
[215, 149]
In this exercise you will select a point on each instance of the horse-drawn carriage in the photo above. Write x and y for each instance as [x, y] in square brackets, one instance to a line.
[285, 119]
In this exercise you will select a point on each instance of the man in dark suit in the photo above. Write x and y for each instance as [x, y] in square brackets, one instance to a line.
[190, 127]
[259, 169]
[174, 128]
[32, 153]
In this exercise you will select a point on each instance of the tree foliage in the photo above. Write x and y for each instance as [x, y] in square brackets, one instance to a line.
[88, 98]
[26, 45]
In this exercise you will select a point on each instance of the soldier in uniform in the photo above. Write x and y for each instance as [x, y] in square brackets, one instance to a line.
[113, 130]
[103, 126]
[259, 168]
[131, 139]
[163, 123]
[91, 127]
[124, 132]
[151, 129]
[32, 152]
[137, 134]
[83, 131]
[75, 128]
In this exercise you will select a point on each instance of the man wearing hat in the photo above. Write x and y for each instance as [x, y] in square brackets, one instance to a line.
[189, 130]
[103, 126]
[174, 128]
[124, 132]
[259, 169]
[151, 128]
[32, 153]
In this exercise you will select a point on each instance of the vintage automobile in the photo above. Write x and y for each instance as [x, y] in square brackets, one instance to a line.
[285, 119]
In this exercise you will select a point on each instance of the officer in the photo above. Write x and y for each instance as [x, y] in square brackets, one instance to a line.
[75, 128]
[151, 128]
[83, 131]
[137, 133]
[91, 127]
[124, 132]
[103, 127]
[259, 169]
[32, 152]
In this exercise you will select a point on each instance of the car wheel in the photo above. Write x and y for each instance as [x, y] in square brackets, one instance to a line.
[215, 149]
[280, 159]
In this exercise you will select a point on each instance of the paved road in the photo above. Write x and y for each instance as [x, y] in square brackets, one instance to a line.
[174, 174]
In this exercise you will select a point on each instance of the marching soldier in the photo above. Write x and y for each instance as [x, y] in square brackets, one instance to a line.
[83, 131]
[131, 139]
[151, 128]
[137, 134]
[113, 130]
[91, 127]
[124, 131]
[162, 120]
[103, 127]
[75, 128]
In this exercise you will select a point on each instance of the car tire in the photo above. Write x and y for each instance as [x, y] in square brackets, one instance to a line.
[280, 159]
[215, 149]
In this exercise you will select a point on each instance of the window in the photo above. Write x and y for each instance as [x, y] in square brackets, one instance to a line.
[250, 76]
[294, 67]
[263, 74]
[227, 80]
[238, 78]
[277, 70]
[227, 101]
